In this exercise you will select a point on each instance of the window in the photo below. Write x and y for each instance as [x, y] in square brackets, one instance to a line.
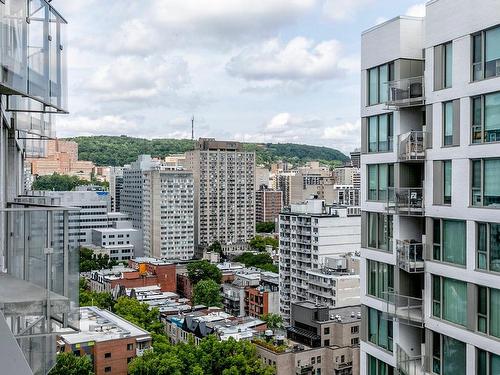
[107, 355]
[449, 241]
[447, 123]
[130, 346]
[488, 311]
[379, 231]
[487, 363]
[378, 367]
[313, 360]
[488, 246]
[485, 118]
[355, 341]
[380, 182]
[449, 300]
[130, 359]
[354, 330]
[378, 79]
[326, 343]
[447, 175]
[326, 330]
[486, 54]
[380, 133]
[379, 329]
[485, 182]
[380, 279]
[448, 355]
[107, 369]
[443, 66]
[318, 359]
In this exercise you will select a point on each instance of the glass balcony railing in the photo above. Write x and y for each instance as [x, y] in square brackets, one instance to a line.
[412, 145]
[409, 364]
[410, 256]
[406, 201]
[406, 308]
[406, 92]
[39, 293]
[33, 56]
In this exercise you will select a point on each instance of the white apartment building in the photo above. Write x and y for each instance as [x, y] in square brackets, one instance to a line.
[310, 232]
[430, 191]
[168, 214]
[224, 180]
[331, 288]
[115, 187]
[118, 242]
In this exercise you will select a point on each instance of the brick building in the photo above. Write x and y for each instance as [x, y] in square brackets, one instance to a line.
[268, 204]
[110, 341]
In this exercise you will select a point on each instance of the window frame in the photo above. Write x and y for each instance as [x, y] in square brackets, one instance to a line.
[379, 270]
[444, 141]
[438, 301]
[389, 179]
[482, 63]
[487, 315]
[380, 85]
[440, 246]
[389, 219]
[478, 130]
[390, 133]
[488, 359]
[438, 340]
[487, 251]
[447, 199]
[481, 188]
[389, 333]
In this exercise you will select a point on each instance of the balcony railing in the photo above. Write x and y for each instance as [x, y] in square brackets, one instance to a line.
[412, 145]
[406, 308]
[410, 256]
[406, 92]
[407, 364]
[406, 201]
[140, 352]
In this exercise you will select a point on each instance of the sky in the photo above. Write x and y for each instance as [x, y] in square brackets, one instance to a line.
[247, 70]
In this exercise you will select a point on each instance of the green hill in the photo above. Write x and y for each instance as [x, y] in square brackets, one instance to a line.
[120, 150]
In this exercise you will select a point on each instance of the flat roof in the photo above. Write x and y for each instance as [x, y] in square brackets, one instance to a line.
[155, 261]
[402, 17]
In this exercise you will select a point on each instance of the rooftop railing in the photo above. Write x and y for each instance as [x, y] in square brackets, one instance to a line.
[412, 145]
[406, 92]
[410, 256]
[406, 201]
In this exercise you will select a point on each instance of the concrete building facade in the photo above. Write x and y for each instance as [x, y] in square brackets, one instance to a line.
[268, 204]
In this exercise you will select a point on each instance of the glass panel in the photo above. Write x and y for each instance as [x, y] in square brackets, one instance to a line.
[454, 357]
[436, 353]
[454, 239]
[373, 86]
[448, 52]
[383, 181]
[477, 48]
[455, 301]
[383, 330]
[436, 296]
[372, 182]
[495, 312]
[448, 123]
[372, 134]
[382, 280]
[476, 183]
[492, 52]
[495, 247]
[372, 229]
[383, 133]
[482, 300]
[382, 234]
[38, 50]
[384, 87]
[494, 364]
[372, 326]
[372, 278]
[491, 182]
[436, 254]
[447, 182]
[476, 120]
[492, 117]
[372, 365]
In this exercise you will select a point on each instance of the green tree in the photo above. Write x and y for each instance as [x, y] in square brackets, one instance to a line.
[259, 243]
[70, 364]
[139, 313]
[260, 260]
[103, 300]
[90, 261]
[207, 292]
[203, 270]
[273, 320]
[216, 247]
[265, 227]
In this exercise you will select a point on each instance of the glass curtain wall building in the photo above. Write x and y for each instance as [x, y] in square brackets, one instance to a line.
[38, 266]
[430, 271]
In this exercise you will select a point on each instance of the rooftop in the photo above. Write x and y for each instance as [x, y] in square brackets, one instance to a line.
[348, 314]
[155, 261]
[102, 325]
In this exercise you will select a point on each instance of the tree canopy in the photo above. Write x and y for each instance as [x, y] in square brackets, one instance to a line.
[259, 243]
[139, 313]
[103, 300]
[215, 247]
[58, 182]
[261, 260]
[273, 320]
[210, 357]
[265, 227]
[203, 270]
[90, 261]
[207, 292]
[70, 364]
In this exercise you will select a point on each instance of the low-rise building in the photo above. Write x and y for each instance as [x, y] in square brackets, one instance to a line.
[119, 242]
[110, 341]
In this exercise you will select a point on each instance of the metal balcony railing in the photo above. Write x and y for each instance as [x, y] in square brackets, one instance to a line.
[412, 145]
[406, 201]
[407, 309]
[407, 364]
[406, 92]
[410, 256]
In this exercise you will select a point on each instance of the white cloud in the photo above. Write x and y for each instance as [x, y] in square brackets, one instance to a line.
[342, 132]
[299, 59]
[417, 10]
[343, 9]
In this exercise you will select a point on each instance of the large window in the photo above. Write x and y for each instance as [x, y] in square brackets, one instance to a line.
[487, 363]
[443, 66]
[380, 133]
[380, 231]
[488, 246]
[447, 181]
[378, 367]
[448, 355]
[380, 182]
[449, 241]
[379, 329]
[486, 54]
[488, 311]
[449, 299]
[486, 182]
[380, 279]
[378, 78]
[447, 123]
[486, 118]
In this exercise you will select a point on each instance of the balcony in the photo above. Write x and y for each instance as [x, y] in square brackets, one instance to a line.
[406, 92]
[412, 146]
[407, 309]
[304, 370]
[406, 201]
[410, 256]
[140, 352]
[407, 364]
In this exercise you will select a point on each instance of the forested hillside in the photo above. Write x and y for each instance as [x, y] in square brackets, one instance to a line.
[117, 151]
